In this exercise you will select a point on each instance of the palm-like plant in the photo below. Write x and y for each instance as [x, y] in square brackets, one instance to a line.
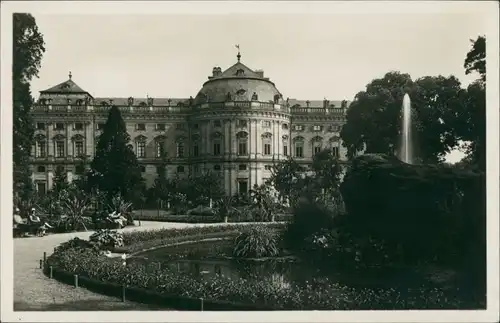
[224, 207]
[120, 206]
[74, 203]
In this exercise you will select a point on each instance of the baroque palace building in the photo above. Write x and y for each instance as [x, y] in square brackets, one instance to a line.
[238, 125]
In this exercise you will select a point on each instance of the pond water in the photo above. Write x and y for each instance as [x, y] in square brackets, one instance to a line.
[205, 260]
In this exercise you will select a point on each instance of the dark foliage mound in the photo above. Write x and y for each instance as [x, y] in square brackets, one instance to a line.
[419, 213]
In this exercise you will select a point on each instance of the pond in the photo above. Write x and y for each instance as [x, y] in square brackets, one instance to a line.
[204, 260]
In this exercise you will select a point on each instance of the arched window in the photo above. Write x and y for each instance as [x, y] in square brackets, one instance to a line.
[217, 143]
[266, 143]
[334, 143]
[160, 146]
[317, 143]
[180, 145]
[40, 169]
[40, 146]
[140, 146]
[285, 145]
[242, 138]
[78, 145]
[59, 146]
[240, 72]
[299, 146]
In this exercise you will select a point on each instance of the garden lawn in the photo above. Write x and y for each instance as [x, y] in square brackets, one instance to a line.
[34, 291]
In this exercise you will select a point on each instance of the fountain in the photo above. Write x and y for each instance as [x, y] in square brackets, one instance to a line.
[406, 146]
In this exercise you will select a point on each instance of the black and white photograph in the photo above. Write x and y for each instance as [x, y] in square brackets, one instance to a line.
[246, 161]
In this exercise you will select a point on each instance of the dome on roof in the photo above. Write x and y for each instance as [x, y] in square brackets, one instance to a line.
[238, 83]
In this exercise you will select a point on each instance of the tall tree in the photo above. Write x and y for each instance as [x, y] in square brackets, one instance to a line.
[374, 118]
[28, 49]
[114, 169]
[474, 132]
[475, 61]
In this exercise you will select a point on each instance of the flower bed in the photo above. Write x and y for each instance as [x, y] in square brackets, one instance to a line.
[176, 289]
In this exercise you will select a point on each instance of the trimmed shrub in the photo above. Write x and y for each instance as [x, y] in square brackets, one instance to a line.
[201, 210]
[75, 244]
[105, 239]
[256, 242]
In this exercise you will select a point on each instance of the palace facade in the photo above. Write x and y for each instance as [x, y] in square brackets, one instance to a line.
[237, 125]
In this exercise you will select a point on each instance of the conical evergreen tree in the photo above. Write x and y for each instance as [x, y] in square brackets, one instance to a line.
[114, 169]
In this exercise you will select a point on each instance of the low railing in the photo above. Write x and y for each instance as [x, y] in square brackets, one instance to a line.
[301, 110]
[250, 105]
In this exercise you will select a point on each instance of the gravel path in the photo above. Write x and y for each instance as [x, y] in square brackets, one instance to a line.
[34, 291]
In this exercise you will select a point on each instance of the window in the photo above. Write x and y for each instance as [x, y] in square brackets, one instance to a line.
[299, 150]
[317, 149]
[195, 126]
[179, 126]
[284, 126]
[78, 126]
[100, 126]
[40, 169]
[196, 150]
[243, 187]
[59, 148]
[335, 151]
[160, 127]
[159, 148]
[217, 167]
[317, 128]
[217, 124]
[159, 169]
[242, 123]
[266, 124]
[298, 127]
[267, 149]
[242, 148]
[59, 126]
[79, 169]
[196, 169]
[78, 148]
[143, 169]
[180, 150]
[216, 148]
[41, 188]
[242, 143]
[141, 149]
[242, 167]
[268, 167]
[41, 149]
[285, 150]
[140, 126]
[180, 169]
[40, 126]
[266, 143]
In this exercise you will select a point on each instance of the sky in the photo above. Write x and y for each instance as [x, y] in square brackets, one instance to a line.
[308, 56]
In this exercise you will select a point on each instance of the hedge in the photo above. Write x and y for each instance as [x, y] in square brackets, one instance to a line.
[164, 217]
[178, 290]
